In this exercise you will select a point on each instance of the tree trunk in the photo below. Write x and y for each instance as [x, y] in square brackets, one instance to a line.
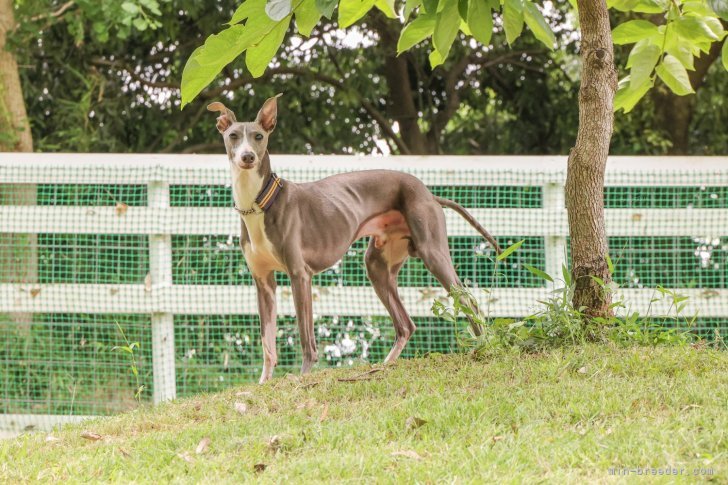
[588, 160]
[675, 113]
[18, 252]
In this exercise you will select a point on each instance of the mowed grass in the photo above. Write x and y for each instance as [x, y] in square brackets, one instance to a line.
[563, 416]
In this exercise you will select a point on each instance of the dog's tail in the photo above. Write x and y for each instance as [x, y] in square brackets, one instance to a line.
[471, 220]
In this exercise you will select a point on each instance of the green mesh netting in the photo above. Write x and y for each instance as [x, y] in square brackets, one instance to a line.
[63, 354]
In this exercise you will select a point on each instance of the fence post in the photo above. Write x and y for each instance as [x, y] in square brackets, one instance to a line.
[554, 201]
[160, 268]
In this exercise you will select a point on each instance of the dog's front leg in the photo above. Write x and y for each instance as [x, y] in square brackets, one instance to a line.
[301, 285]
[266, 287]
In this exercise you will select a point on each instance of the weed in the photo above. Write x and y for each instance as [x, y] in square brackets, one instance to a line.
[129, 349]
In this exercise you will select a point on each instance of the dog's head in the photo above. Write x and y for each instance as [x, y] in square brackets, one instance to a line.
[246, 143]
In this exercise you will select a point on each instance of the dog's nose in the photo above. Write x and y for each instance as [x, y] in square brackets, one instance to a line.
[248, 157]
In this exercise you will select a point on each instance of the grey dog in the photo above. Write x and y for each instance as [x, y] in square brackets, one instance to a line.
[303, 229]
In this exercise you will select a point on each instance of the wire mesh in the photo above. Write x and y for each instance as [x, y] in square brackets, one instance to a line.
[83, 292]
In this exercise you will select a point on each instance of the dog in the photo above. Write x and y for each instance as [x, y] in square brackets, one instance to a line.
[303, 229]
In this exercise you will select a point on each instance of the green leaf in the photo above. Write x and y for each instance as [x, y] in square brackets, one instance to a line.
[307, 16]
[539, 273]
[140, 23]
[410, 6]
[326, 7]
[463, 9]
[694, 28]
[352, 10]
[566, 274]
[651, 6]
[446, 27]
[679, 48]
[278, 9]
[130, 7]
[642, 60]
[258, 57]
[628, 96]
[610, 264]
[436, 58]
[720, 7]
[249, 8]
[480, 21]
[509, 250]
[513, 19]
[697, 7]
[416, 31]
[675, 76]
[724, 55]
[430, 6]
[219, 50]
[538, 25]
[633, 31]
[386, 7]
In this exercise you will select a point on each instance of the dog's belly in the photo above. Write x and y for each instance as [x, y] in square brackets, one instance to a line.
[387, 227]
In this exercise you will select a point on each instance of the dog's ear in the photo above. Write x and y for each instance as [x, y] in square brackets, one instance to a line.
[268, 114]
[226, 117]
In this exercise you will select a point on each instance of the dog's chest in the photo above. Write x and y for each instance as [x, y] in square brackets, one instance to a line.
[259, 252]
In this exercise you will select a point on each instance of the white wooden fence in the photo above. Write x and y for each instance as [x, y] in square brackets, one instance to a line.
[160, 221]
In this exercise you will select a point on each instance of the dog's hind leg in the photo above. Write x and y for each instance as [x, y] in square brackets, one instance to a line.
[383, 265]
[429, 243]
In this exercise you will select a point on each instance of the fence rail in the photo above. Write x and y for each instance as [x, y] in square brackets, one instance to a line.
[160, 221]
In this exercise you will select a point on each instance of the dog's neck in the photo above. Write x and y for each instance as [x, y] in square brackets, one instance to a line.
[247, 184]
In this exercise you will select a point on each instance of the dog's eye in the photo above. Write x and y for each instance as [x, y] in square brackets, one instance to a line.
[258, 136]
[233, 136]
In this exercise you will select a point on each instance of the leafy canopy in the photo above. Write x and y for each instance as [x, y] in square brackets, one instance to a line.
[258, 28]
[664, 51]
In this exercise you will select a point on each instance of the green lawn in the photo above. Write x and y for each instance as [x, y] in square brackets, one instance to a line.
[562, 416]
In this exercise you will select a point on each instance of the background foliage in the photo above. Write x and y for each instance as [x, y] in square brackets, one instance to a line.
[105, 76]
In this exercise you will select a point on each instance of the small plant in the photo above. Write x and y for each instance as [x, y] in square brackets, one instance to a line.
[558, 323]
[129, 349]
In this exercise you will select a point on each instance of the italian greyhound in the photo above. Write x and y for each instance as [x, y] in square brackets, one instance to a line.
[303, 229]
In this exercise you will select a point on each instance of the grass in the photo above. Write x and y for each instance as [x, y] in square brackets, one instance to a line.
[566, 415]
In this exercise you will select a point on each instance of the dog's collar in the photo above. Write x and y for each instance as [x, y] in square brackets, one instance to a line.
[265, 198]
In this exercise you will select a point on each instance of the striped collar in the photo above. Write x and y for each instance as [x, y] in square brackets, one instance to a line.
[265, 198]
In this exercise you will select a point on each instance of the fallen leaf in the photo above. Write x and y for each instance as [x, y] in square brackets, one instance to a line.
[496, 439]
[186, 457]
[113, 291]
[51, 439]
[202, 445]
[259, 467]
[198, 406]
[582, 370]
[121, 208]
[324, 413]
[414, 422]
[408, 454]
[274, 443]
[90, 435]
[241, 407]
[34, 292]
[148, 282]
[636, 217]
[124, 452]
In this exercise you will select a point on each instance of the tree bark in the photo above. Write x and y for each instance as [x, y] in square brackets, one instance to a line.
[588, 160]
[401, 98]
[18, 259]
